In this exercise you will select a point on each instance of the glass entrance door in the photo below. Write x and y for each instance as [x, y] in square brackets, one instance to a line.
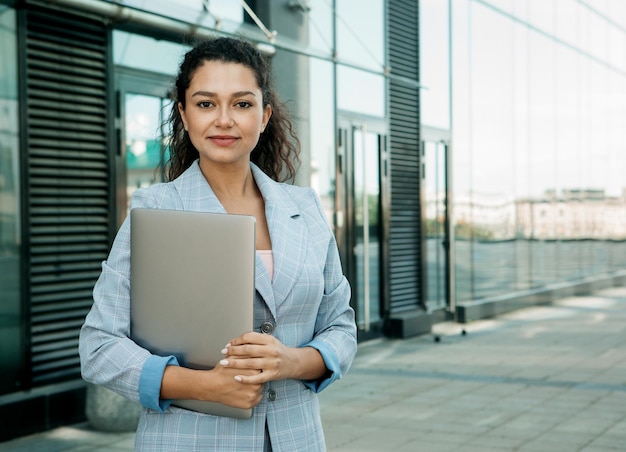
[360, 229]
[144, 105]
[367, 226]
[435, 185]
[142, 140]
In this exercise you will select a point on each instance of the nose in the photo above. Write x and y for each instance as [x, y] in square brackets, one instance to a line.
[224, 118]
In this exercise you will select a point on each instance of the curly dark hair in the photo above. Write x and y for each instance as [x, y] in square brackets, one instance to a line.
[278, 151]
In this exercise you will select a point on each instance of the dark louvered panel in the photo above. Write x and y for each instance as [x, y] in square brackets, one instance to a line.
[405, 242]
[68, 183]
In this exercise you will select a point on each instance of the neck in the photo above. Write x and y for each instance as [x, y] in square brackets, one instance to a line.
[230, 183]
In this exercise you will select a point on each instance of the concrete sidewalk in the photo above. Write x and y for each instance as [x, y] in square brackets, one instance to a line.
[549, 378]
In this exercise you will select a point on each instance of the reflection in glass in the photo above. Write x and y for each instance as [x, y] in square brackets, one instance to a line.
[360, 33]
[360, 92]
[539, 161]
[436, 222]
[136, 51]
[434, 66]
[144, 147]
[10, 219]
[367, 227]
[224, 15]
[321, 134]
[320, 25]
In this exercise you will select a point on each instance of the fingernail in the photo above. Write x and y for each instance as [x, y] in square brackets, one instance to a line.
[224, 351]
[224, 362]
[238, 378]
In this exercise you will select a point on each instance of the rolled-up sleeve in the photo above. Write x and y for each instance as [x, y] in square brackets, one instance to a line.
[150, 382]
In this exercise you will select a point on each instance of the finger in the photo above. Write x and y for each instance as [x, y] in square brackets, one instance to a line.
[246, 350]
[242, 363]
[257, 379]
[250, 337]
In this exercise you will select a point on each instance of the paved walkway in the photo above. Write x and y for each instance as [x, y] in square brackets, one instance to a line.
[549, 378]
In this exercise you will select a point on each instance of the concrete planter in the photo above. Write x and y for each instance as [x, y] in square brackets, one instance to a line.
[109, 412]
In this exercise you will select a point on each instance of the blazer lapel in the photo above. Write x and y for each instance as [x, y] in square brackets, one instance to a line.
[288, 236]
[195, 192]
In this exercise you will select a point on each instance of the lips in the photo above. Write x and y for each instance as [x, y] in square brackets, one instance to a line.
[223, 140]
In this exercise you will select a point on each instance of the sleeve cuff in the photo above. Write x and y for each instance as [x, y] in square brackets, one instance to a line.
[150, 382]
[332, 364]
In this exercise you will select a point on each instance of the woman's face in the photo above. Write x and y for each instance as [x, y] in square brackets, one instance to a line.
[224, 113]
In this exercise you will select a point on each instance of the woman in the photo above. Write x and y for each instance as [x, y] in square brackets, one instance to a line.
[230, 146]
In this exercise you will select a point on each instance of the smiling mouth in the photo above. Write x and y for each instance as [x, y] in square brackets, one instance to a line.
[223, 140]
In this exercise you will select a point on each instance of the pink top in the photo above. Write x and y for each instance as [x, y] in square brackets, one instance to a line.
[268, 259]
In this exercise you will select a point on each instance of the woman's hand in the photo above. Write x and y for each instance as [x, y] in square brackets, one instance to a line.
[230, 391]
[272, 358]
[215, 385]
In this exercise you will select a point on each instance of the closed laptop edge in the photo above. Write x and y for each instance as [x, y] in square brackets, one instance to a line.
[192, 288]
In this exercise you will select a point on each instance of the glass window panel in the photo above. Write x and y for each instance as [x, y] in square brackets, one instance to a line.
[434, 64]
[320, 18]
[503, 5]
[360, 92]
[593, 31]
[322, 136]
[521, 157]
[360, 33]
[567, 137]
[567, 98]
[597, 27]
[493, 207]
[521, 10]
[308, 90]
[617, 48]
[144, 116]
[293, 87]
[615, 97]
[138, 51]
[566, 21]
[615, 10]
[11, 350]
[219, 13]
[541, 15]
[223, 9]
[542, 143]
[366, 218]
[434, 185]
[461, 155]
[567, 160]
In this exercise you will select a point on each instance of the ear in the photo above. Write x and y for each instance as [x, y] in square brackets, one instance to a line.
[267, 114]
[181, 110]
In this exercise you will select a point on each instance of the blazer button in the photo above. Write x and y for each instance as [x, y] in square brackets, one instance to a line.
[271, 395]
[267, 327]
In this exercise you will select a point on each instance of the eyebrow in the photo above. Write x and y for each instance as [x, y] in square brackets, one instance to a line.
[210, 94]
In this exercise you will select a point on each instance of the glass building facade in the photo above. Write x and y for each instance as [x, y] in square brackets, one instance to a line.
[533, 94]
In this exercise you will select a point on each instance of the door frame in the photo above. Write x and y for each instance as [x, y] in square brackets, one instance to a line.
[444, 137]
[345, 210]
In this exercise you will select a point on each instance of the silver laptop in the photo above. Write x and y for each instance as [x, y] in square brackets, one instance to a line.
[192, 287]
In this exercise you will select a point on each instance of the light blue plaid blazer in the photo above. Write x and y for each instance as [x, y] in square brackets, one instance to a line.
[308, 301]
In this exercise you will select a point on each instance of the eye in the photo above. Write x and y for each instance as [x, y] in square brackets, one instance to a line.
[243, 104]
[205, 104]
